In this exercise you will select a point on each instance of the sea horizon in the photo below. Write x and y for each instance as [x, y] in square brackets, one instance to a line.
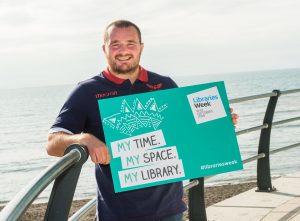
[175, 76]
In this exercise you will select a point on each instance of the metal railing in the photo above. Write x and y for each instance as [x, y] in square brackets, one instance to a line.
[264, 183]
[67, 170]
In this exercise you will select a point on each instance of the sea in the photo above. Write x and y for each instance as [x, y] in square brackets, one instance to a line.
[26, 115]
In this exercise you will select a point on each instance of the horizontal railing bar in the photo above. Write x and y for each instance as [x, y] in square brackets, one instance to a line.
[250, 159]
[290, 91]
[259, 96]
[253, 97]
[15, 208]
[285, 148]
[285, 121]
[190, 185]
[265, 125]
[258, 156]
[251, 129]
[83, 211]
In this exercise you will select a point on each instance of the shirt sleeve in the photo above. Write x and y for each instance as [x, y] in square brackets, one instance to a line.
[72, 116]
[172, 83]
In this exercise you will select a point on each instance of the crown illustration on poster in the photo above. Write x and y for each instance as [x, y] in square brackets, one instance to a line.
[132, 118]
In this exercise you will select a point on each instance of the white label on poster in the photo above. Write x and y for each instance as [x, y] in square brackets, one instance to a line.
[138, 143]
[148, 157]
[206, 105]
[167, 170]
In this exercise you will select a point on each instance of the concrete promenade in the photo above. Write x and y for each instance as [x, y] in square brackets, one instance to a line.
[280, 205]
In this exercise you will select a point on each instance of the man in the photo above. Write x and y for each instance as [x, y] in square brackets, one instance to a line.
[79, 122]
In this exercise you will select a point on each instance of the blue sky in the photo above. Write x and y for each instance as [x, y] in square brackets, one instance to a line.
[59, 42]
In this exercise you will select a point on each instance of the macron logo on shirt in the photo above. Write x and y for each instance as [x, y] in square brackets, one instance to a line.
[106, 94]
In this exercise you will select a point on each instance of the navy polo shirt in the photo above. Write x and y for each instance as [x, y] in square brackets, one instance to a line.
[80, 113]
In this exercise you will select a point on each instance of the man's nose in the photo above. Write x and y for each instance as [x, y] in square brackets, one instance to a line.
[123, 48]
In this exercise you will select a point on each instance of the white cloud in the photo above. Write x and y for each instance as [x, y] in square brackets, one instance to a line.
[55, 41]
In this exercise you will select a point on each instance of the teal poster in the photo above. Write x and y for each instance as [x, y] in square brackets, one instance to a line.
[169, 135]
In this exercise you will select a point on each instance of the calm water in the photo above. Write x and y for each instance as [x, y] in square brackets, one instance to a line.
[27, 114]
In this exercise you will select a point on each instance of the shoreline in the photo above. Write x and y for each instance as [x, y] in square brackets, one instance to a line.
[213, 194]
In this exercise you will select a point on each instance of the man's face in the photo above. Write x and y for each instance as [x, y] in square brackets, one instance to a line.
[123, 50]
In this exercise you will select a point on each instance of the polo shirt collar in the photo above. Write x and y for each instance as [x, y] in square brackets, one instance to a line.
[142, 77]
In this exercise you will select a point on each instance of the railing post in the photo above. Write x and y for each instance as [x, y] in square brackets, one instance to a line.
[264, 183]
[197, 210]
[64, 187]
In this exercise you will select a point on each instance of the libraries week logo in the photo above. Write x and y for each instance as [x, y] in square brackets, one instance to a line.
[206, 105]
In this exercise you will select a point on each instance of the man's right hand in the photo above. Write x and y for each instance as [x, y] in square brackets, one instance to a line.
[98, 151]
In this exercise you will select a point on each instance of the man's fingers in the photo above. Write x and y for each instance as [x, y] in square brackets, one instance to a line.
[107, 156]
[107, 160]
[234, 116]
[104, 157]
[101, 156]
[94, 157]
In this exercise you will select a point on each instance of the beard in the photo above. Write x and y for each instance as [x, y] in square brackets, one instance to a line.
[126, 68]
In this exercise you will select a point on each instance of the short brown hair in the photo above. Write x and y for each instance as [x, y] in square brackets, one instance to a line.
[122, 24]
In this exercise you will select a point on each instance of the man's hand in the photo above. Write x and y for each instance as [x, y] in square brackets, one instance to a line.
[234, 117]
[59, 141]
[98, 151]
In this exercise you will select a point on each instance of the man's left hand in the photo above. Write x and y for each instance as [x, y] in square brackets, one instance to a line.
[234, 117]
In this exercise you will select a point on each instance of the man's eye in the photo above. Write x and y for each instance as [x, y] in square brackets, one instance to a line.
[131, 45]
[115, 45]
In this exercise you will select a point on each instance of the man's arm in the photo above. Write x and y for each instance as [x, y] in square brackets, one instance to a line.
[59, 141]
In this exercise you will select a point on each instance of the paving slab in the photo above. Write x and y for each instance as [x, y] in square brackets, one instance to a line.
[280, 205]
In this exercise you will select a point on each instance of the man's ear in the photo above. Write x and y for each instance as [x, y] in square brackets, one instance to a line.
[103, 48]
[142, 47]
